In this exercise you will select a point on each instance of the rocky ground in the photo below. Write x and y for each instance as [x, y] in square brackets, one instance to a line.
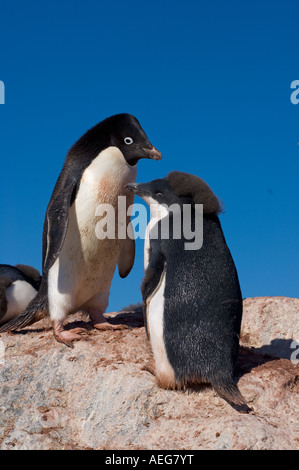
[100, 395]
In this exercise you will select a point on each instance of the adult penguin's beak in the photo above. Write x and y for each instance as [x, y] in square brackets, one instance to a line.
[152, 153]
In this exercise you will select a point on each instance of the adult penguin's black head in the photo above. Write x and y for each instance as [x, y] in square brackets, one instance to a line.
[121, 130]
[128, 135]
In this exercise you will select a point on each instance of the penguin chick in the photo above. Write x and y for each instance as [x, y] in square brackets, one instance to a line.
[18, 286]
[192, 301]
[78, 266]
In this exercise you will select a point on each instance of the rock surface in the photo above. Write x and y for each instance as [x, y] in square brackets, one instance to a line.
[100, 394]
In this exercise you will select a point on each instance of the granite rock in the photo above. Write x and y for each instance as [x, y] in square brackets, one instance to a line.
[101, 395]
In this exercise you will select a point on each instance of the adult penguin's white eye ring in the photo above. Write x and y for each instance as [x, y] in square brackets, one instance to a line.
[128, 140]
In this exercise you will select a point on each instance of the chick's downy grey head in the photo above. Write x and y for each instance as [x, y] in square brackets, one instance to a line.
[178, 188]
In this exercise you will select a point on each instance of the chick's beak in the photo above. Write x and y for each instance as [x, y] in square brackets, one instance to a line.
[132, 187]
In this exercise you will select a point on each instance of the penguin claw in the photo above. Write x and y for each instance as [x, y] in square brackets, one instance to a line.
[80, 331]
[104, 326]
[99, 321]
[68, 336]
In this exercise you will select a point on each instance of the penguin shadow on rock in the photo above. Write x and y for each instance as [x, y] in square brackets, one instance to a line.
[131, 317]
[251, 357]
[192, 300]
[78, 266]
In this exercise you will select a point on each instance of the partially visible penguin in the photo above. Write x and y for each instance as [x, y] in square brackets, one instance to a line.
[192, 298]
[18, 286]
[78, 266]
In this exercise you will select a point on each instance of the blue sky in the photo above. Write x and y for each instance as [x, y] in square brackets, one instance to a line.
[210, 84]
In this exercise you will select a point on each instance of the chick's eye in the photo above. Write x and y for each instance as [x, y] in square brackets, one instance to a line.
[128, 140]
[159, 194]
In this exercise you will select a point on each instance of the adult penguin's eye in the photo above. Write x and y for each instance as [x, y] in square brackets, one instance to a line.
[128, 140]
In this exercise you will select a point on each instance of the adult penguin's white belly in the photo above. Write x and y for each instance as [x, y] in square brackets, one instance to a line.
[86, 264]
[18, 296]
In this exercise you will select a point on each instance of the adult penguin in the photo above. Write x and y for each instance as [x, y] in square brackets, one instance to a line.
[18, 286]
[78, 267]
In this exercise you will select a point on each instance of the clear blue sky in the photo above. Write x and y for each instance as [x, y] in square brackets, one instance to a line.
[210, 84]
